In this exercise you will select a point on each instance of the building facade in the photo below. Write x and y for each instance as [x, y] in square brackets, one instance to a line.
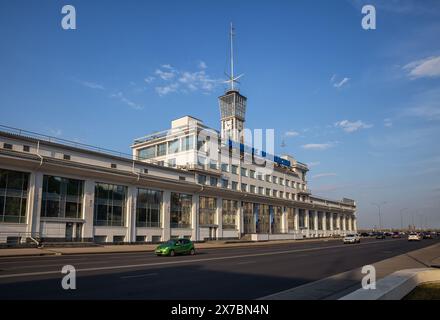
[63, 191]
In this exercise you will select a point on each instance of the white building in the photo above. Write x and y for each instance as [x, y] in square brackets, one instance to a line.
[189, 181]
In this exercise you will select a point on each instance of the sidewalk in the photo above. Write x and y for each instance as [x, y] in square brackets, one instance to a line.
[137, 248]
[339, 285]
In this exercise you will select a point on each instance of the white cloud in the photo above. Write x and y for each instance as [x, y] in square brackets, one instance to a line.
[350, 127]
[149, 79]
[425, 68]
[126, 101]
[323, 175]
[92, 85]
[387, 123]
[172, 80]
[341, 83]
[165, 75]
[313, 164]
[164, 90]
[291, 133]
[318, 146]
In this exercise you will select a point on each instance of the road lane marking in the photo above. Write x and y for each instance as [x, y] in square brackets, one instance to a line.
[190, 261]
[140, 275]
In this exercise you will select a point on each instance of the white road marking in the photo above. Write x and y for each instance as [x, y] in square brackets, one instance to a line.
[38, 273]
[140, 276]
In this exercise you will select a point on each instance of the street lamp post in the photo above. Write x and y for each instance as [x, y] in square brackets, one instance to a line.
[378, 205]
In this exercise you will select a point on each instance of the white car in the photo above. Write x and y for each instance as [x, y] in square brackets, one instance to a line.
[414, 237]
[352, 238]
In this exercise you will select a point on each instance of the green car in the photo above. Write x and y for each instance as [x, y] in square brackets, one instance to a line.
[175, 246]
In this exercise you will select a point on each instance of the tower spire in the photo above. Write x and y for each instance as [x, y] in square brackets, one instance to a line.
[232, 79]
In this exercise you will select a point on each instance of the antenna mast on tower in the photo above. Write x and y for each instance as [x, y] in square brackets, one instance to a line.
[232, 79]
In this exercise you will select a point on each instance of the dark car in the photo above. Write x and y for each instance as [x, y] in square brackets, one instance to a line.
[364, 234]
[380, 235]
[427, 235]
[396, 235]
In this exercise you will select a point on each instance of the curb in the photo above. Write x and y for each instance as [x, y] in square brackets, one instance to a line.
[397, 285]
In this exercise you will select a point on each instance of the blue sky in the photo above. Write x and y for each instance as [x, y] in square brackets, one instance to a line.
[361, 107]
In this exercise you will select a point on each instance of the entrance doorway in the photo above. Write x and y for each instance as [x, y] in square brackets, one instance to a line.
[69, 231]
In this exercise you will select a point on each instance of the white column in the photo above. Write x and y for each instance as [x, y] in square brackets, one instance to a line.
[166, 206]
[131, 215]
[344, 224]
[284, 221]
[88, 208]
[315, 218]
[324, 220]
[219, 218]
[306, 221]
[195, 236]
[355, 224]
[331, 221]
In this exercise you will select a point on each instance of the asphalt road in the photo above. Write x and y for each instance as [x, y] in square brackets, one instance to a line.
[227, 273]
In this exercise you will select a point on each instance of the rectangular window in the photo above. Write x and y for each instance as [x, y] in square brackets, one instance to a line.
[62, 197]
[7, 146]
[207, 210]
[282, 181]
[260, 190]
[213, 181]
[234, 169]
[274, 179]
[277, 216]
[252, 189]
[161, 149]
[281, 194]
[229, 214]
[260, 176]
[110, 204]
[267, 178]
[147, 153]
[291, 218]
[224, 167]
[187, 143]
[267, 192]
[244, 187]
[244, 172]
[173, 146]
[148, 208]
[26, 148]
[180, 211]
[302, 218]
[13, 196]
[252, 174]
[234, 185]
[213, 165]
[225, 183]
[201, 179]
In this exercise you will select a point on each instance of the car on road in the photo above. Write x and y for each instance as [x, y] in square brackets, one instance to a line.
[427, 235]
[365, 234]
[380, 235]
[396, 235]
[175, 246]
[352, 238]
[414, 237]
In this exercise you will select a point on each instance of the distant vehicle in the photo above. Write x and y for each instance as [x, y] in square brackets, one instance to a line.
[365, 234]
[371, 234]
[414, 237]
[380, 235]
[175, 246]
[388, 234]
[352, 238]
[427, 235]
[396, 235]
